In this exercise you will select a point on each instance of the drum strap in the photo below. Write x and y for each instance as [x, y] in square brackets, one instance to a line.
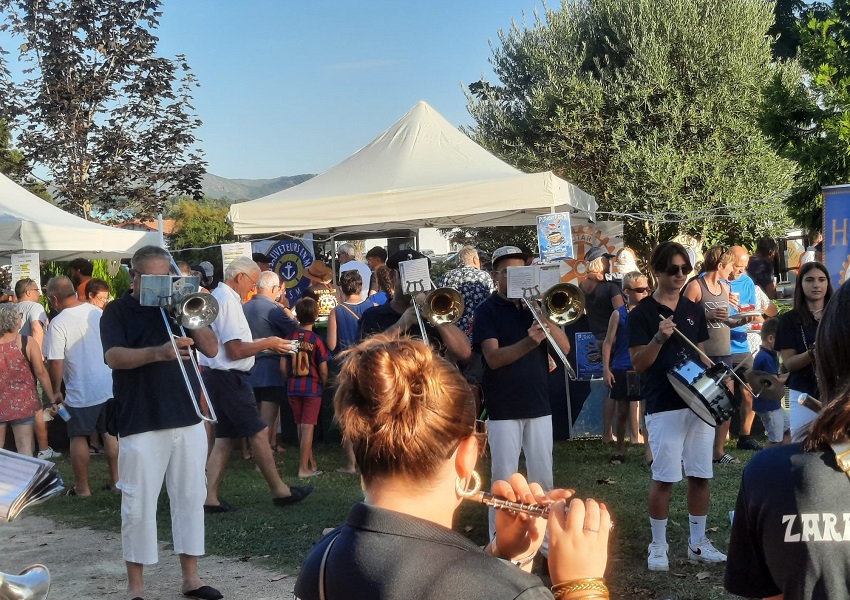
[842, 456]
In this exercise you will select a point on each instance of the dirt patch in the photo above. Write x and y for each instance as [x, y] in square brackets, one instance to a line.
[86, 565]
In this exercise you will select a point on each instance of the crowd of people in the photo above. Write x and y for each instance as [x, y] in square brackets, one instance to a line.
[409, 412]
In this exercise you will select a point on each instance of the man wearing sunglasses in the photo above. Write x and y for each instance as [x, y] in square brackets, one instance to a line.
[677, 436]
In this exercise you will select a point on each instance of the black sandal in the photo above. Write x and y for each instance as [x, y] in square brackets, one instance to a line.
[618, 459]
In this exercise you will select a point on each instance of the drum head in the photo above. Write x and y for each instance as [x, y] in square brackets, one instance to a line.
[692, 400]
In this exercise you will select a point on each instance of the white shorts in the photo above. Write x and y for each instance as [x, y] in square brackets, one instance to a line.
[800, 417]
[776, 424]
[678, 437]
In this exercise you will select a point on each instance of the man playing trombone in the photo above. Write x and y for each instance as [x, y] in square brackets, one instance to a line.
[159, 433]
[516, 373]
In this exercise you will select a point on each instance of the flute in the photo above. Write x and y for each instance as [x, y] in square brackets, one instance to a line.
[499, 503]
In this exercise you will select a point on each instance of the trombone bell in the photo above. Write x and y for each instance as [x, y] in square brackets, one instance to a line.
[445, 305]
[564, 303]
[195, 311]
[32, 584]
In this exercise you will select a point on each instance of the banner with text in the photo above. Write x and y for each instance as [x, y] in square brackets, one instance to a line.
[836, 224]
[290, 258]
[24, 265]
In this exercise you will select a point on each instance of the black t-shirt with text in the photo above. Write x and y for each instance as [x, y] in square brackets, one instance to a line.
[791, 532]
[643, 325]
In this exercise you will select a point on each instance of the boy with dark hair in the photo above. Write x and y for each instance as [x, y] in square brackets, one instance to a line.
[776, 420]
[307, 377]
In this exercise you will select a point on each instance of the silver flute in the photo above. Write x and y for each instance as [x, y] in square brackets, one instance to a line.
[499, 503]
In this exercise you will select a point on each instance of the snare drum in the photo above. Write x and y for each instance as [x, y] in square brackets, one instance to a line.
[703, 390]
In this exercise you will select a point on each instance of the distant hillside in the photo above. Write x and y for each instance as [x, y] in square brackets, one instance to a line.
[238, 190]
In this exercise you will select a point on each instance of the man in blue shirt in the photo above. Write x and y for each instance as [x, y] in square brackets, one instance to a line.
[742, 285]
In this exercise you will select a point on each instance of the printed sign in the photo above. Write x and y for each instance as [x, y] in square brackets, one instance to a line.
[555, 236]
[25, 265]
[588, 356]
[230, 252]
[290, 258]
[586, 235]
[836, 228]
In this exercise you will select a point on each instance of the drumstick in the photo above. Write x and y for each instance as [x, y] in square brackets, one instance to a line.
[813, 404]
[691, 344]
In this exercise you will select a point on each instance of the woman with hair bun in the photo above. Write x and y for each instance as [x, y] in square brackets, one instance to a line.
[410, 418]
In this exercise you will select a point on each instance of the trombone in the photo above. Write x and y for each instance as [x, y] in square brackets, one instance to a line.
[564, 304]
[444, 306]
[192, 310]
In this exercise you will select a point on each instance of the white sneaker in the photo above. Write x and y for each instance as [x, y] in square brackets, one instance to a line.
[49, 453]
[657, 560]
[704, 551]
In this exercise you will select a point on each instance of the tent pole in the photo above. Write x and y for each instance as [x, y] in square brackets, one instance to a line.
[159, 227]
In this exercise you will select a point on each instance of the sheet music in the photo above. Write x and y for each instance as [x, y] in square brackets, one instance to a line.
[415, 276]
[548, 276]
[521, 279]
[24, 480]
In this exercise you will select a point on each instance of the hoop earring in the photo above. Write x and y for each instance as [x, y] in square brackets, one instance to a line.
[460, 486]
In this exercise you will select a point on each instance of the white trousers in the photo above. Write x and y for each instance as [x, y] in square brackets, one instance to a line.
[144, 459]
[532, 437]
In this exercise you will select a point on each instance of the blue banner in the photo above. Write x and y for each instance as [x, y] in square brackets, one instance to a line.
[836, 231]
[588, 356]
[290, 258]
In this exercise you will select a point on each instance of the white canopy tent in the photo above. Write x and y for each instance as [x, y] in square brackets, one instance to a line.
[421, 172]
[30, 224]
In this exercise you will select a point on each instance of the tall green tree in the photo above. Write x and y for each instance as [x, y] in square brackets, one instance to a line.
[14, 166]
[111, 120]
[651, 105]
[807, 112]
[200, 224]
[786, 24]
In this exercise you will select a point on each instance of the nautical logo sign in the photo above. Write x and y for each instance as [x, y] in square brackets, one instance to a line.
[290, 258]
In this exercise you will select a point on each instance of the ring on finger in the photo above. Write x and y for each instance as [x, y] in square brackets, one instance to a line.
[590, 529]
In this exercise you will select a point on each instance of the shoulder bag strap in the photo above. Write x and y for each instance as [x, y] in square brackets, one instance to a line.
[842, 456]
[353, 314]
[322, 566]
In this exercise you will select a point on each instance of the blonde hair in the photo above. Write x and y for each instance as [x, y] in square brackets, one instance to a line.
[597, 265]
[630, 277]
[404, 408]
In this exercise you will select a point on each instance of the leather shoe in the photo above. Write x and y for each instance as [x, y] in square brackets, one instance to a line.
[296, 494]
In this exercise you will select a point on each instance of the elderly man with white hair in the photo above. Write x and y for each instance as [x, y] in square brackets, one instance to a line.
[347, 255]
[226, 376]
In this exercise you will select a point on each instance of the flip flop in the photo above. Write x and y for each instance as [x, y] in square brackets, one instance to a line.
[297, 494]
[222, 507]
[315, 473]
[618, 459]
[726, 459]
[204, 592]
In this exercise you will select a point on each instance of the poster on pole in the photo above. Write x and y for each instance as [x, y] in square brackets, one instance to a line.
[588, 356]
[230, 252]
[25, 265]
[555, 236]
[836, 227]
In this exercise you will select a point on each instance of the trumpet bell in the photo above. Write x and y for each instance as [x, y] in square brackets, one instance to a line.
[197, 310]
[445, 305]
[564, 303]
[32, 584]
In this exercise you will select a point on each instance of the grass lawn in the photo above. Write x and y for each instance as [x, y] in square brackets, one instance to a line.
[281, 537]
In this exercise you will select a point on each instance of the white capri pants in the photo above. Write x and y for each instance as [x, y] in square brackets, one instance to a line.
[532, 437]
[144, 459]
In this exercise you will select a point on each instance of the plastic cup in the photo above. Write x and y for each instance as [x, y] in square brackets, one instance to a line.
[63, 412]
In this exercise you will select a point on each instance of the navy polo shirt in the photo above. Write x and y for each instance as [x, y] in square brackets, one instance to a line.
[519, 390]
[643, 325]
[153, 396]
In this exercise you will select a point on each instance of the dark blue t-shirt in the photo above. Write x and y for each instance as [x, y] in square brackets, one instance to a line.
[519, 390]
[643, 325]
[791, 532]
[767, 361]
[153, 396]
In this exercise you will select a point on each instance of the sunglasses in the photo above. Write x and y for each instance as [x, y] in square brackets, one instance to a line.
[673, 270]
[639, 290]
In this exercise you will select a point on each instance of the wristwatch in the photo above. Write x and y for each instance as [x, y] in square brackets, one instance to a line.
[657, 340]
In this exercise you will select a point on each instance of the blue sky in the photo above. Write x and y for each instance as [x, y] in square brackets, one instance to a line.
[295, 87]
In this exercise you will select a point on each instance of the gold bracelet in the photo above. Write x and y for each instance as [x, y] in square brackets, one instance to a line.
[561, 594]
[588, 583]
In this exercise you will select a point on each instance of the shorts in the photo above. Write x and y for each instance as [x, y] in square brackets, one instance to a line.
[86, 420]
[306, 409]
[776, 424]
[626, 385]
[678, 437]
[273, 394]
[234, 404]
[16, 422]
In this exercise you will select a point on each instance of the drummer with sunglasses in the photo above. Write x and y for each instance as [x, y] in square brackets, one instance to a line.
[677, 435]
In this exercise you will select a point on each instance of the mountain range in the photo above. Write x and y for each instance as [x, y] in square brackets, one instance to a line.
[239, 190]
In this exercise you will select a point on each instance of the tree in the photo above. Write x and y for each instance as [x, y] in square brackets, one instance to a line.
[650, 105]
[786, 25]
[491, 238]
[14, 166]
[808, 112]
[200, 224]
[111, 121]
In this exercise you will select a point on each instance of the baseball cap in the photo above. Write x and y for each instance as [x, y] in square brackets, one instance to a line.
[508, 252]
[206, 268]
[597, 252]
[403, 255]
